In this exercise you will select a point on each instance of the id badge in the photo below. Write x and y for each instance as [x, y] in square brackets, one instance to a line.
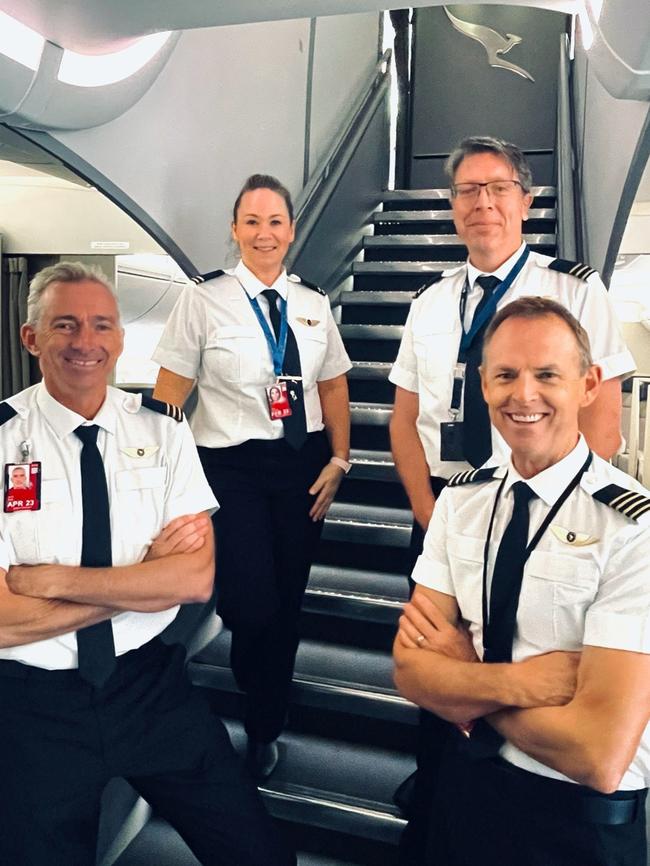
[451, 441]
[22, 490]
[278, 400]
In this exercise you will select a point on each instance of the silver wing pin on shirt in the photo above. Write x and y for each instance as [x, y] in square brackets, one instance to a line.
[494, 43]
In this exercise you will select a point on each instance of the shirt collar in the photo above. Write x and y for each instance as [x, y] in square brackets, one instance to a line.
[501, 272]
[254, 287]
[549, 484]
[64, 421]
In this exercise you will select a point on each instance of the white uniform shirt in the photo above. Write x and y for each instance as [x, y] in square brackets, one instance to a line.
[429, 348]
[593, 591]
[213, 334]
[145, 490]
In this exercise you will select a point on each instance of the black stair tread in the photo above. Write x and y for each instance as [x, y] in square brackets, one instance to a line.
[380, 298]
[317, 663]
[158, 844]
[375, 514]
[445, 215]
[375, 414]
[334, 771]
[370, 241]
[391, 268]
[371, 332]
[377, 587]
[370, 369]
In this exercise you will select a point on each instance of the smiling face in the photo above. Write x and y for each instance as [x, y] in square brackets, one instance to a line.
[490, 226]
[534, 388]
[263, 230]
[77, 341]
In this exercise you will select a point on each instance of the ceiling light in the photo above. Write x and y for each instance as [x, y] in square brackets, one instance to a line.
[97, 70]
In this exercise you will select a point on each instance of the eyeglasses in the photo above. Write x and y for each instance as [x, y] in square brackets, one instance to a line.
[494, 188]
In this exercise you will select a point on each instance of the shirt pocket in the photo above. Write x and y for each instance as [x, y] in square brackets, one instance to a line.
[436, 353]
[312, 346]
[234, 353]
[556, 594]
[40, 536]
[466, 562]
[139, 509]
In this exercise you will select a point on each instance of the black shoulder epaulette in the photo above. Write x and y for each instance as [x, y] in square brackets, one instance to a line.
[435, 278]
[309, 285]
[6, 412]
[203, 278]
[630, 503]
[471, 475]
[575, 269]
[168, 409]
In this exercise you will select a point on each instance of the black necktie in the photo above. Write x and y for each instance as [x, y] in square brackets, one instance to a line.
[508, 572]
[477, 437]
[498, 633]
[95, 642]
[295, 425]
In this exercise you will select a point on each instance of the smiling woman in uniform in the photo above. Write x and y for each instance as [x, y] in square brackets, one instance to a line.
[273, 427]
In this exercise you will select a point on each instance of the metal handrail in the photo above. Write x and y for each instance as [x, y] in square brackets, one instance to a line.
[565, 159]
[314, 195]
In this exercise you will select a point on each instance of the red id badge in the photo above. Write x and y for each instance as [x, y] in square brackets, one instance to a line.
[278, 400]
[22, 487]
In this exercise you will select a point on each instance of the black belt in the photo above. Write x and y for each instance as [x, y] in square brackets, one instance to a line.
[567, 800]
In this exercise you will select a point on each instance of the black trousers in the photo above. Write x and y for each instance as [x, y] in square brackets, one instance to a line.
[266, 543]
[433, 733]
[495, 814]
[62, 740]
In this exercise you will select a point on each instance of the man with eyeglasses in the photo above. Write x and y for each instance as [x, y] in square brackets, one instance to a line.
[440, 424]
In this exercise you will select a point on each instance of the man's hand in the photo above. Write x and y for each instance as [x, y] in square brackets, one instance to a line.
[324, 489]
[424, 626]
[35, 581]
[185, 534]
[548, 680]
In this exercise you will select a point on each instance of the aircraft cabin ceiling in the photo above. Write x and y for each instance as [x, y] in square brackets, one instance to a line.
[96, 25]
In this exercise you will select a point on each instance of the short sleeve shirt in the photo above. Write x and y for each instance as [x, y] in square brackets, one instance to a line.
[587, 582]
[153, 475]
[429, 348]
[213, 335]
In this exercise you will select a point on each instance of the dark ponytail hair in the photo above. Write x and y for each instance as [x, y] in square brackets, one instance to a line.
[264, 181]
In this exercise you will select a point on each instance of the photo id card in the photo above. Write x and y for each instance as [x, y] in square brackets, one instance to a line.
[22, 491]
[278, 401]
[451, 441]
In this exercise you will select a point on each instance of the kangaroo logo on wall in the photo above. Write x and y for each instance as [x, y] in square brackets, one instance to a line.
[494, 43]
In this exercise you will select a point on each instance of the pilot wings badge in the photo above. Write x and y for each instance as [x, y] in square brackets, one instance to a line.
[494, 43]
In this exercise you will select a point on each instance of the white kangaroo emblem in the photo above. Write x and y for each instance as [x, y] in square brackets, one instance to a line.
[494, 43]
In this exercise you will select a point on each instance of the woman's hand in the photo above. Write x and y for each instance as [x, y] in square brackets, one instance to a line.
[324, 489]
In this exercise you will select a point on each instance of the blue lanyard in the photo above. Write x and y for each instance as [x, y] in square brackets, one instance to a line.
[277, 348]
[489, 309]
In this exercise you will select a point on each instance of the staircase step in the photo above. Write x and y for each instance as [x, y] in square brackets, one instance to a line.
[373, 465]
[373, 414]
[397, 195]
[368, 524]
[338, 678]
[355, 298]
[351, 593]
[369, 370]
[431, 216]
[371, 241]
[398, 269]
[371, 332]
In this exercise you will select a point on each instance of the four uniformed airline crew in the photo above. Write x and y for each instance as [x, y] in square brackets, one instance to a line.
[94, 568]
[528, 627]
[440, 423]
[272, 426]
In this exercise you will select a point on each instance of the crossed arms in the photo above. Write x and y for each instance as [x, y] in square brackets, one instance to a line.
[581, 714]
[42, 601]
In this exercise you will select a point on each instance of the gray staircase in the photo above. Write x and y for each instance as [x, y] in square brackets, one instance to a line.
[350, 737]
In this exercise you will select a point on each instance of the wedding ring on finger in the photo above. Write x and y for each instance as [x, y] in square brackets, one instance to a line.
[420, 640]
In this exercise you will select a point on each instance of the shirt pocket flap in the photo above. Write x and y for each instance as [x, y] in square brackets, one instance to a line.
[231, 332]
[140, 479]
[561, 569]
[54, 490]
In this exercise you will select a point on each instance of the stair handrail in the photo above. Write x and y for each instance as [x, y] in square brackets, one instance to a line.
[567, 200]
[314, 195]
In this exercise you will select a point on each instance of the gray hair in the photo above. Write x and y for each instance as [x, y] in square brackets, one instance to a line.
[539, 308]
[63, 272]
[487, 144]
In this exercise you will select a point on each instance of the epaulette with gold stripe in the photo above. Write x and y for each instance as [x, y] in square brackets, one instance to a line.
[630, 503]
[575, 269]
[296, 278]
[168, 409]
[203, 278]
[471, 476]
[435, 278]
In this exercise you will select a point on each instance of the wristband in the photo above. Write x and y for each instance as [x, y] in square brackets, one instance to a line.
[341, 463]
